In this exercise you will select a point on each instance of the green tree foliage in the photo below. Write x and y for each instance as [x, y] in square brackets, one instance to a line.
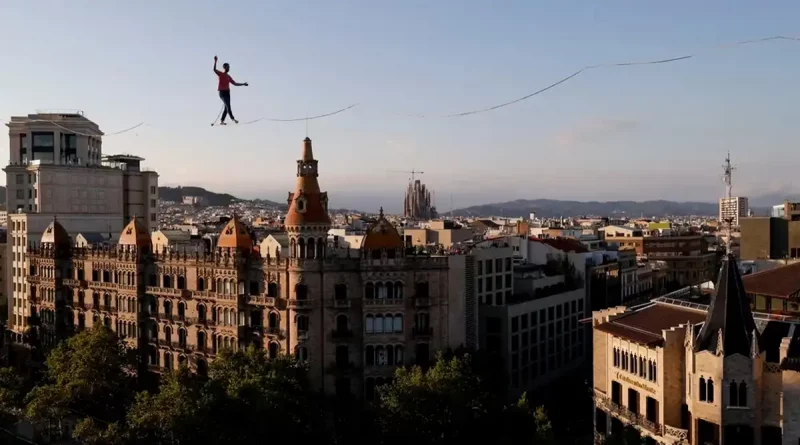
[13, 388]
[629, 436]
[450, 404]
[88, 376]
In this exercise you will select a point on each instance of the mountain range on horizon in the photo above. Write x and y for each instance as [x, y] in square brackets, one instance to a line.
[523, 207]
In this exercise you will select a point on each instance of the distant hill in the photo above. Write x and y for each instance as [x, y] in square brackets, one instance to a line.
[555, 208]
[176, 194]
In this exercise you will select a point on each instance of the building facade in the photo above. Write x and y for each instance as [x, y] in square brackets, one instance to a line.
[56, 166]
[772, 237]
[352, 319]
[683, 373]
[733, 208]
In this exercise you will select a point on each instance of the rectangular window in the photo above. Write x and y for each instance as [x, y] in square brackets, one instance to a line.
[480, 284]
[489, 267]
[153, 217]
[498, 265]
[480, 267]
[23, 144]
[20, 178]
[508, 280]
[508, 264]
[153, 203]
[152, 190]
[514, 324]
[20, 194]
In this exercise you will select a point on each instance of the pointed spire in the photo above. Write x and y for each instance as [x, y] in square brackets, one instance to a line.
[381, 214]
[754, 349]
[729, 322]
[308, 153]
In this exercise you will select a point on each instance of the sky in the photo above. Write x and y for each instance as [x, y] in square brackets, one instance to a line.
[643, 132]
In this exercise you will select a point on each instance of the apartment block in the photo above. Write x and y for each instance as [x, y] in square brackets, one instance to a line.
[733, 208]
[772, 237]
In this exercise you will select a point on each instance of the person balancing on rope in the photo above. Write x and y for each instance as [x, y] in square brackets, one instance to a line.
[224, 88]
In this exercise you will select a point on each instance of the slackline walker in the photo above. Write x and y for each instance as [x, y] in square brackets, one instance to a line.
[224, 89]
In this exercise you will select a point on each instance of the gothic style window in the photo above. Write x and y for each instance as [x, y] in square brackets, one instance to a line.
[733, 394]
[742, 394]
[710, 391]
[702, 389]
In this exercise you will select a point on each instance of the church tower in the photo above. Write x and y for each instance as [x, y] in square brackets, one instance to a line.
[307, 221]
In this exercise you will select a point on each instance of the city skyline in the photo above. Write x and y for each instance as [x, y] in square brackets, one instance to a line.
[661, 130]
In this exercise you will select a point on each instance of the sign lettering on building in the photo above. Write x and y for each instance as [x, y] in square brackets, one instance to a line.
[635, 383]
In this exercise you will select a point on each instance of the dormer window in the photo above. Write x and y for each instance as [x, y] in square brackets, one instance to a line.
[301, 205]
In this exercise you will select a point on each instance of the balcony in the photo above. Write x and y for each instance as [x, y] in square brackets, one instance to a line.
[341, 303]
[300, 304]
[422, 302]
[201, 321]
[626, 415]
[261, 300]
[70, 282]
[422, 332]
[274, 332]
[384, 302]
[103, 285]
[168, 291]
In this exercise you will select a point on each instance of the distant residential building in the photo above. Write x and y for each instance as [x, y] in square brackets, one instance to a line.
[418, 204]
[195, 200]
[772, 237]
[733, 209]
[444, 233]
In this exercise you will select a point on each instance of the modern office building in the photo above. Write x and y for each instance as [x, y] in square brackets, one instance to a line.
[733, 208]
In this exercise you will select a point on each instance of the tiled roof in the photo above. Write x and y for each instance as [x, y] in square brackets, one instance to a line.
[382, 235]
[135, 234]
[55, 234]
[644, 326]
[235, 235]
[781, 282]
[307, 205]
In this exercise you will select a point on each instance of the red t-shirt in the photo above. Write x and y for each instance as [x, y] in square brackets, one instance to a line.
[224, 81]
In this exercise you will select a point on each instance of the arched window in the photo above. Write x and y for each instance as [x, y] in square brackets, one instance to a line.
[181, 310]
[107, 301]
[398, 355]
[201, 283]
[710, 391]
[733, 394]
[302, 323]
[202, 367]
[273, 319]
[398, 290]
[181, 282]
[301, 292]
[201, 313]
[390, 355]
[301, 248]
[273, 350]
[378, 324]
[168, 334]
[388, 323]
[369, 291]
[95, 300]
[201, 340]
[380, 356]
[181, 360]
[168, 360]
[182, 337]
[398, 323]
[228, 290]
[272, 290]
[340, 292]
[312, 248]
[742, 394]
[702, 387]
[369, 324]
[167, 281]
[390, 290]
[380, 289]
[341, 323]
[292, 248]
[168, 309]
[301, 353]
[218, 288]
[369, 355]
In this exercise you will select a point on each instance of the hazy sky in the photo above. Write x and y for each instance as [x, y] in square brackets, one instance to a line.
[646, 132]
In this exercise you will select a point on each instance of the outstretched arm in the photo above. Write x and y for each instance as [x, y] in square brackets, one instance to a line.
[234, 83]
[215, 65]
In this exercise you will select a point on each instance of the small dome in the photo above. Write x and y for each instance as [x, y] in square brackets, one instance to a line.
[382, 235]
[235, 235]
[135, 234]
[55, 234]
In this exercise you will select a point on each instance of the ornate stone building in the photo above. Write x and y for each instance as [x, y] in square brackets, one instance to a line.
[354, 320]
[685, 373]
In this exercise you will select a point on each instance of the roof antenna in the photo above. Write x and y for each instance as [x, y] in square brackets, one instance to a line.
[729, 193]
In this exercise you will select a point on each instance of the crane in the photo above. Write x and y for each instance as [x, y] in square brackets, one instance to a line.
[413, 173]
